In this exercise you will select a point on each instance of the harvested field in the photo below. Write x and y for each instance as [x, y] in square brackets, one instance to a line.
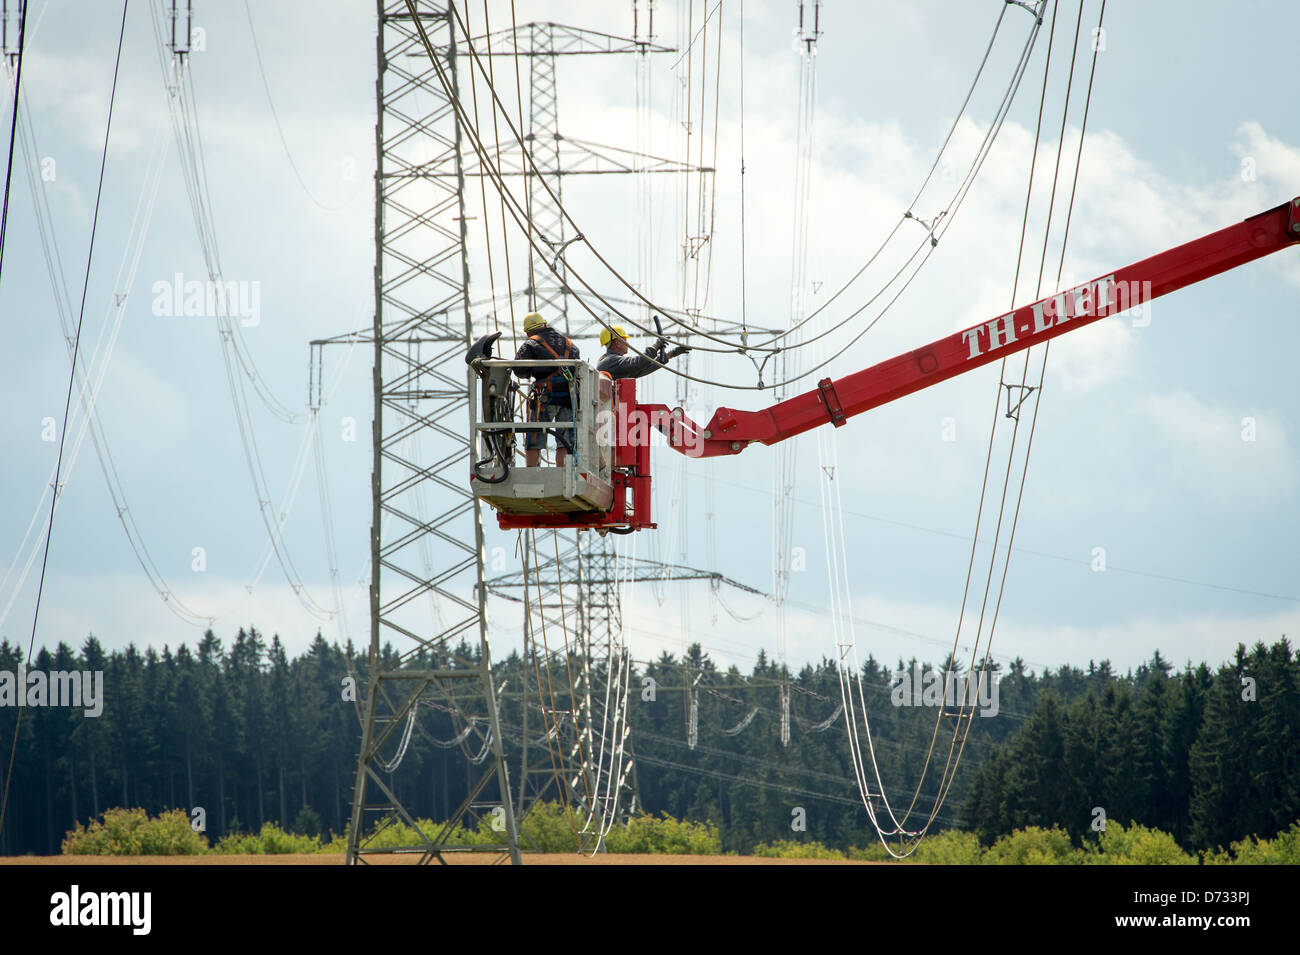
[467, 858]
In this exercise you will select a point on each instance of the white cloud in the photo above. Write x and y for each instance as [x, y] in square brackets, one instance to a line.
[1129, 206]
[68, 95]
[1095, 357]
[1267, 159]
[147, 415]
[1231, 458]
[76, 605]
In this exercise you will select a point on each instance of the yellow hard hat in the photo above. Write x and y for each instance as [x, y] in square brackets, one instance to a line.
[533, 321]
[605, 333]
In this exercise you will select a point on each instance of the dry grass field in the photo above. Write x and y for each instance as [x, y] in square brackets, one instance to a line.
[465, 858]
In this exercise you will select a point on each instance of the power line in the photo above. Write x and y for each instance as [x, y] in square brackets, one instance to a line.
[13, 131]
[954, 535]
[957, 729]
[762, 784]
[184, 114]
[747, 781]
[491, 170]
[1043, 371]
[72, 377]
[89, 382]
[847, 684]
[297, 174]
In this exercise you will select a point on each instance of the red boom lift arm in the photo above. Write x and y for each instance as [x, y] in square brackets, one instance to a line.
[620, 501]
[835, 401]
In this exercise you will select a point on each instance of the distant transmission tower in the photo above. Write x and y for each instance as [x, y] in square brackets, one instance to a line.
[582, 584]
[786, 454]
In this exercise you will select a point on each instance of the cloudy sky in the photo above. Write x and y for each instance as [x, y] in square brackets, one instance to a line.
[1165, 450]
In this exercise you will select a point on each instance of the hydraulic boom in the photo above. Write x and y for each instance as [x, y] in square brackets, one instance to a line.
[605, 485]
[835, 401]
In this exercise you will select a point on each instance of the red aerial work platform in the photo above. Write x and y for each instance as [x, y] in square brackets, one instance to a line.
[605, 483]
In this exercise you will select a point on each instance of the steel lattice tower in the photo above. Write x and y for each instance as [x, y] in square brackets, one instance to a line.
[422, 449]
[421, 329]
[544, 145]
[578, 585]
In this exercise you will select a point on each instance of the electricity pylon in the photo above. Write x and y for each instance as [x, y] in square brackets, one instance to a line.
[422, 448]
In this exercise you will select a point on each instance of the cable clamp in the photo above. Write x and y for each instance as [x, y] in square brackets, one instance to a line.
[1035, 8]
[932, 224]
[559, 249]
[1025, 391]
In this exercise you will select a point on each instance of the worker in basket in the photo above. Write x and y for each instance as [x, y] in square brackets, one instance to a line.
[617, 363]
[552, 394]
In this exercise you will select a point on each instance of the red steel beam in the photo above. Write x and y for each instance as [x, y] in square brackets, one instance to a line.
[730, 431]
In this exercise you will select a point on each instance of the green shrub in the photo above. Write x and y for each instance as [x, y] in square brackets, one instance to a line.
[131, 832]
[239, 844]
[400, 834]
[335, 844]
[1282, 849]
[551, 827]
[1219, 856]
[872, 853]
[1034, 846]
[548, 827]
[272, 840]
[950, 847]
[1138, 845]
[665, 836]
[793, 849]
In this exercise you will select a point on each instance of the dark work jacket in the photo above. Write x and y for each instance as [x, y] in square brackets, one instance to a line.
[534, 349]
[626, 366]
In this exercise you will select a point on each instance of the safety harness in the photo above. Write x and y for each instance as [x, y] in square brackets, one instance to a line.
[544, 388]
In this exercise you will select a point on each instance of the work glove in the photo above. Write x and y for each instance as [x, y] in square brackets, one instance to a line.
[679, 350]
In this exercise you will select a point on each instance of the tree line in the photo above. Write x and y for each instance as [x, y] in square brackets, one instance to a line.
[1209, 757]
[250, 736]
